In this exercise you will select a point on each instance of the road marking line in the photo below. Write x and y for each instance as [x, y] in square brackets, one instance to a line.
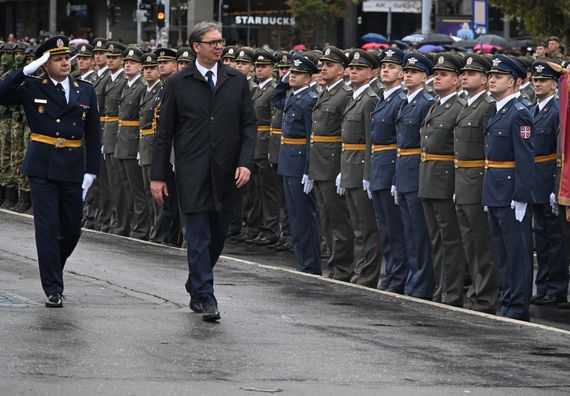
[341, 283]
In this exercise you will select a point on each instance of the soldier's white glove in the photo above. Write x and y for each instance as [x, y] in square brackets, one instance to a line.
[138, 158]
[307, 184]
[33, 66]
[453, 198]
[366, 187]
[520, 210]
[554, 204]
[485, 209]
[87, 182]
[394, 193]
[339, 190]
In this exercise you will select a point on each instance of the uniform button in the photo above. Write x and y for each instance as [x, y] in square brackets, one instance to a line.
[58, 121]
[73, 137]
[212, 118]
[508, 177]
[57, 134]
[500, 133]
[468, 123]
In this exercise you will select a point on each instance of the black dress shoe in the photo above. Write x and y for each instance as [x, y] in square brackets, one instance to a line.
[283, 248]
[252, 240]
[210, 313]
[54, 301]
[265, 241]
[550, 300]
[536, 297]
[196, 306]
[275, 244]
[564, 305]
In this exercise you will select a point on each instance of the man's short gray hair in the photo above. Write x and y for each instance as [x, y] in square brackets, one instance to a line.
[200, 29]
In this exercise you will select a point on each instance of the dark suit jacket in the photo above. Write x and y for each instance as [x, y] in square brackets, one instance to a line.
[546, 130]
[212, 134]
[49, 114]
[469, 144]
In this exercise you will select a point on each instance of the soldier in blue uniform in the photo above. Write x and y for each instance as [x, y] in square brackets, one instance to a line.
[507, 185]
[552, 276]
[62, 114]
[420, 282]
[383, 169]
[294, 161]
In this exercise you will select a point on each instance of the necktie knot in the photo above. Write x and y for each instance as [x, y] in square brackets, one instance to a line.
[210, 76]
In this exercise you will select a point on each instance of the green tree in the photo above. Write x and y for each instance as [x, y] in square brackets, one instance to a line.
[541, 18]
[314, 17]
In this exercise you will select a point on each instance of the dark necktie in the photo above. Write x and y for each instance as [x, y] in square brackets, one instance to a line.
[61, 90]
[210, 76]
[536, 111]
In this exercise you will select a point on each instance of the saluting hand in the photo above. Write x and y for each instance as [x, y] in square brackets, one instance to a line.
[158, 190]
[33, 66]
[242, 176]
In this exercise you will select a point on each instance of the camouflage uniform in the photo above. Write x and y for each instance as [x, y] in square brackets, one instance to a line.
[11, 194]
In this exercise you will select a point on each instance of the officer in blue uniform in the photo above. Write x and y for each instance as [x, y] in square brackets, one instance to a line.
[383, 169]
[507, 185]
[63, 116]
[552, 276]
[294, 161]
[420, 282]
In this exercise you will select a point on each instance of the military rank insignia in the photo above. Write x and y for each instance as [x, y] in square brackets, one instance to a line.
[525, 132]
[41, 109]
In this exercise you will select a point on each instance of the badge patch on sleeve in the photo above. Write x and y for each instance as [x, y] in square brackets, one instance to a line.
[525, 132]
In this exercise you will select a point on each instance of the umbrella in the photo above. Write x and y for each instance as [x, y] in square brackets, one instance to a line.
[431, 48]
[521, 43]
[368, 46]
[374, 38]
[400, 43]
[437, 38]
[464, 44]
[299, 47]
[493, 39]
[414, 38]
[487, 48]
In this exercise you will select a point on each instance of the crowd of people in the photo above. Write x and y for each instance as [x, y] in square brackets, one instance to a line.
[445, 167]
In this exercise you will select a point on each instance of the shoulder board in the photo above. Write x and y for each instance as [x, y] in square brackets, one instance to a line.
[402, 95]
[428, 97]
[462, 101]
[489, 98]
[313, 94]
[519, 106]
[273, 83]
[34, 77]
[79, 81]
[347, 88]
[371, 93]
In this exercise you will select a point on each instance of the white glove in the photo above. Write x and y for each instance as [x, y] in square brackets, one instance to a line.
[339, 190]
[33, 66]
[394, 193]
[307, 184]
[485, 209]
[366, 187]
[520, 210]
[87, 182]
[102, 150]
[138, 158]
[554, 204]
[453, 198]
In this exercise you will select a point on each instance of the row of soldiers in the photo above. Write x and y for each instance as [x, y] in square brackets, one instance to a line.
[432, 165]
[435, 166]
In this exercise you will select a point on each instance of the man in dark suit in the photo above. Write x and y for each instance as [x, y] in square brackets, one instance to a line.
[62, 113]
[207, 116]
[469, 147]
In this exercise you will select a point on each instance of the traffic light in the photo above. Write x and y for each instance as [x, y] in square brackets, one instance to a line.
[149, 7]
[160, 15]
[114, 14]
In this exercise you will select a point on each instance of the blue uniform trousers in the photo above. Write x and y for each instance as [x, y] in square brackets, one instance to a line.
[420, 282]
[510, 240]
[206, 232]
[552, 274]
[302, 212]
[58, 208]
[389, 221]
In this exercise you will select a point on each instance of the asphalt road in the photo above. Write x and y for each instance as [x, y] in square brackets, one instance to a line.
[126, 329]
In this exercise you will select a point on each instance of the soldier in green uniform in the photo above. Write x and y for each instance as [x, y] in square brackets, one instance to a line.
[184, 56]
[436, 183]
[355, 168]
[10, 193]
[324, 164]
[244, 63]
[469, 152]
[127, 144]
[146, 139]
[229, 55]
[86, 63]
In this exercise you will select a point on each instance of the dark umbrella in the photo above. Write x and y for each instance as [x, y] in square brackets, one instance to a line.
[400, 43]
[374, 38]
[464, 44]
[437, 38]
[514, 43]
[493, 39]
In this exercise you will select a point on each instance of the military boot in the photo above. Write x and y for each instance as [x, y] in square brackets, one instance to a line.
[10, 199]
[2, 195]
[24, 203]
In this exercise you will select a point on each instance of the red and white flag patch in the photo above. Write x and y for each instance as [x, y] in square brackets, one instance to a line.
[525, 132]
